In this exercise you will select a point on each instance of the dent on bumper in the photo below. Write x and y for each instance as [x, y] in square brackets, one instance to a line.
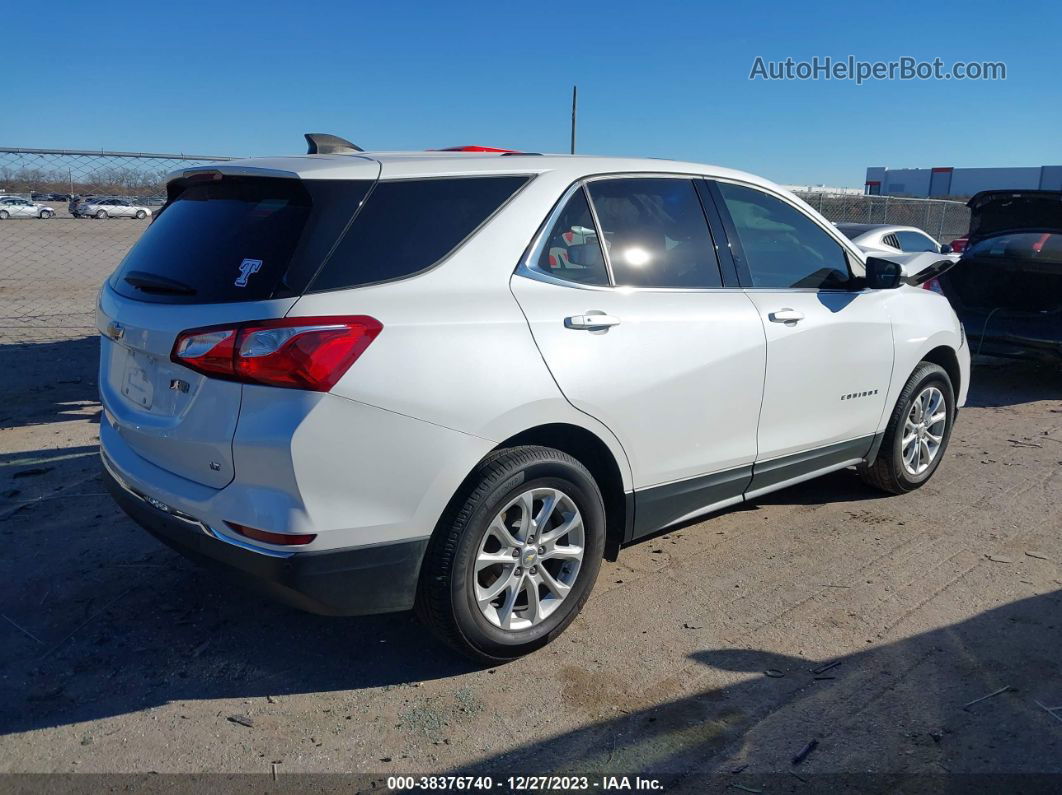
[359, 581]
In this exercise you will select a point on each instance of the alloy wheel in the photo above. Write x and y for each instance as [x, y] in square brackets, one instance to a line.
[923, 430]
[529, 559]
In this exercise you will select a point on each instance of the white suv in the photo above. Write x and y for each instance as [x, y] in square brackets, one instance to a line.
[454, 381]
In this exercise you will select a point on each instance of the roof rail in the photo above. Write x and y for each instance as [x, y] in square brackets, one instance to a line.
[325, 144]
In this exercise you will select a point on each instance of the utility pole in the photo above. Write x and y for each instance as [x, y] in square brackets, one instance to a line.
[575, 97]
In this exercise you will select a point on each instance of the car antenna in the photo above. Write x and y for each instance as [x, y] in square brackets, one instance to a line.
[325, 144]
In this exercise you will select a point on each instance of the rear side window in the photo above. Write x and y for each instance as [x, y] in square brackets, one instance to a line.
[407, 226]
[656, 233]
[237, 239]
[782, 247]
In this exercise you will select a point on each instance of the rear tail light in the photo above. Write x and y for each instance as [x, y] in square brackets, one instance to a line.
[280, 539]
[296, 352]
[934, 285]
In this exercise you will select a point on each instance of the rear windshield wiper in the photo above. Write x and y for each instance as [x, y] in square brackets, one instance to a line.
[152, 283]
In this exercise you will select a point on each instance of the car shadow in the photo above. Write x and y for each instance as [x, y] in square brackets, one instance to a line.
[46, 382]
[90, 638]
[962, 697]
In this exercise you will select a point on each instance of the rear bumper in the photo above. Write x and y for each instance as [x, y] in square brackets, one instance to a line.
[359, 581]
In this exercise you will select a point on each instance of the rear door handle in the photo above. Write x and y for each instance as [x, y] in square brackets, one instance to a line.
[786, 315]
[591, 321]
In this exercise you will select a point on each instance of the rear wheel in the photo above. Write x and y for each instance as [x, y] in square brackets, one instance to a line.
[514, 560]
[917, 434]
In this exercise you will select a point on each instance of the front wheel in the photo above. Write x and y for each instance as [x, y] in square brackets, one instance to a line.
[515, 558]
[917, 434]
[101, 214]
[4, 215]
[140, 215]
[46, 214]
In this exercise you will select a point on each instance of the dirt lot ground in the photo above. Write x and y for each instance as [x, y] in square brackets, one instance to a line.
[118, 655]
[51, 271]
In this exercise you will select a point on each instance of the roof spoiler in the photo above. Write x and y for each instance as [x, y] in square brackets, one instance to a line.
[325, 144]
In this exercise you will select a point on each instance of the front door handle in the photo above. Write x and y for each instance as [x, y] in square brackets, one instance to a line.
[786, 315]
[591, 321]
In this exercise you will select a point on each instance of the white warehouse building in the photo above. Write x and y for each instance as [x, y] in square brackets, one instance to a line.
[948, 181]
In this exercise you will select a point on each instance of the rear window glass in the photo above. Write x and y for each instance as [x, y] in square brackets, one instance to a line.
[238, 239]
[407, 226]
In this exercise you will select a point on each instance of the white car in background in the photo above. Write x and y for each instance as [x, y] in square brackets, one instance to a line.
[885, 239]
[454, 381]
[17, 207]
[112, 208]
[915, 251]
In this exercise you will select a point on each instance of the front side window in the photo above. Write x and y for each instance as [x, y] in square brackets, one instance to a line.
[570, 249]
[782, 247]
[655, 232]
[913, 241]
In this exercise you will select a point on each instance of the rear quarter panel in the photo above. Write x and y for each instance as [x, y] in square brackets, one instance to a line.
[455, 349]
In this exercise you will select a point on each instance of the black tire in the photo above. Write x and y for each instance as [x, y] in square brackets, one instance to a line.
[140, 215]
[4, 215]
[101, 214]
[888, 472]
[446, 596]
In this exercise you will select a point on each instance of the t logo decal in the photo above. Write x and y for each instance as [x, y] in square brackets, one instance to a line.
[247, 267]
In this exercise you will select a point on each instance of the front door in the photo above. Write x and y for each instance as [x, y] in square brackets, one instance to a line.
[829, 340]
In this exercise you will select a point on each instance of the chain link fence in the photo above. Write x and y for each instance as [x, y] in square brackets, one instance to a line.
[942, 219]
[54, 255]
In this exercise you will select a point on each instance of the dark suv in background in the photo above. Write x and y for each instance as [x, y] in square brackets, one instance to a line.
[1007, 288]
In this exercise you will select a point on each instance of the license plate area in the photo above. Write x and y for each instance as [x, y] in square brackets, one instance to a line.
[138, 383]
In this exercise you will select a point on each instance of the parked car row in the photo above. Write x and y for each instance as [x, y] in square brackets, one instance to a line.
[106, 207]
[78, 206]
[50, 197]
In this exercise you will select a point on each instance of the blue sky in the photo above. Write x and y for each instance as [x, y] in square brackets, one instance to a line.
[661, 79]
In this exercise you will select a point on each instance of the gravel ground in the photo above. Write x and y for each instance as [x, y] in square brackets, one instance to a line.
[696, 653]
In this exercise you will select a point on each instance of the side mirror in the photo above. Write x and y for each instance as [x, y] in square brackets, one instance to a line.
[945, 248]
[883, 274]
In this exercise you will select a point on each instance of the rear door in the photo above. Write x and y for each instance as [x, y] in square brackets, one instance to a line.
[643, 337]
[829, 340]
[224, 250]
